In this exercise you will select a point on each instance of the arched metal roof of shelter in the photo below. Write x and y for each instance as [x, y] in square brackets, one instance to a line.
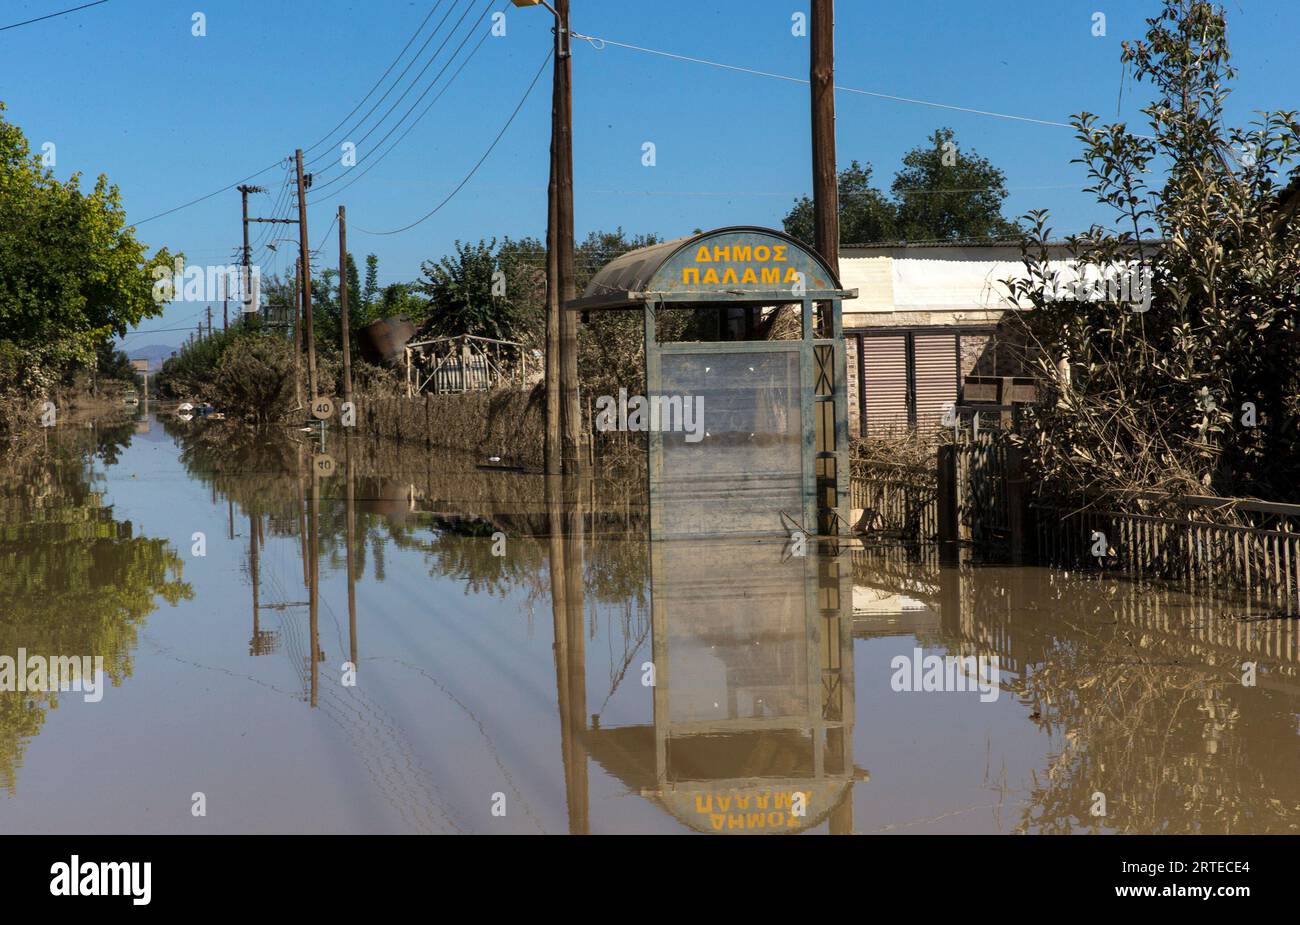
[736, 264]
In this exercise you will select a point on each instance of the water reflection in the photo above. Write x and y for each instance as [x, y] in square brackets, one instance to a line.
[680, 685]
[753, 690]
[1137, 690]
[74, 578]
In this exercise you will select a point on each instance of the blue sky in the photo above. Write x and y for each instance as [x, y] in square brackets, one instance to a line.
[124, 88]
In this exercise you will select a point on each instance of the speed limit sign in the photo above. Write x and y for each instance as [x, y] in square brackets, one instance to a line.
[322, 409]
[324, 464]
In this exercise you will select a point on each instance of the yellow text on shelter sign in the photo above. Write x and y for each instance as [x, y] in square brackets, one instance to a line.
[740, 265]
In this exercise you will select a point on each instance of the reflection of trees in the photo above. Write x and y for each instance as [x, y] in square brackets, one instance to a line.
[264, 474]
[73, 580]
[614, 566]
[462, 550]
[112, 439]
[1145, 712]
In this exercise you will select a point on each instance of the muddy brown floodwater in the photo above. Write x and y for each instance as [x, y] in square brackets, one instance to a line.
[411, 644]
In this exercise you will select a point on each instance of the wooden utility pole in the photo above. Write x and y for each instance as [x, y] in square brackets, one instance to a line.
[305, 263]
[826, 205]
[551, 447]
[343, 306]
[246, 287]
[253, 647]
[225, 302]
[209, 321]
[297, 335]
[313, 594]
[563, 282]
[350, 517]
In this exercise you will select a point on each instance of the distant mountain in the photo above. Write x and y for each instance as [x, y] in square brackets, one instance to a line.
[156, 354]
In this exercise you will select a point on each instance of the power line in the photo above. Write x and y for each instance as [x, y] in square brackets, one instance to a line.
[372, 163]
[188, 327]
[400, 77]
[427, 16]
[325, 238]
[28, 22]
[208, 196]
[279, 210]
[469, 176]
[599, 43]
[423, 94]
[265, 169]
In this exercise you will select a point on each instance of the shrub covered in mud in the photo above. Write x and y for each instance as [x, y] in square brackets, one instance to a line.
[253, 380]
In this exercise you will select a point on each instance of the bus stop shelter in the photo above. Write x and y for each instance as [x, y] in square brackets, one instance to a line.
[766, 450]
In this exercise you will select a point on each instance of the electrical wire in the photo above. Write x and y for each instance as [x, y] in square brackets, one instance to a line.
[469, 176]
[324, 138]
[218, 192]
[599, 44]
[28, 22]
[371, 164]
[400, 77]
[427, 16]
[464, 41]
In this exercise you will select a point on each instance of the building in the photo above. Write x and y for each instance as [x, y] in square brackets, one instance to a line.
[923, 322]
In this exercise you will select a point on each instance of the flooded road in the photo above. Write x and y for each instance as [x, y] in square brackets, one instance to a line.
[494, 658]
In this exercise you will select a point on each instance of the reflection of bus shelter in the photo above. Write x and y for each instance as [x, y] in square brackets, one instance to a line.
[753, 693]
[772, 452]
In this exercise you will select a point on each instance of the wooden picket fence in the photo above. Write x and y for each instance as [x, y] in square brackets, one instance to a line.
[1207, 542]
[899, 500]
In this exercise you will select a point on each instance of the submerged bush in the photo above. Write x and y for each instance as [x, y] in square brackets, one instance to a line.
[253, 380]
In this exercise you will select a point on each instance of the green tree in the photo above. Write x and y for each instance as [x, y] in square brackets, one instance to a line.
[946, 193]
[523, 262]
[611, 346]
[942, 193]
[866, 214]
[462, 297]
[356, 302]
[111, 363]
[72, 273]
[1199, 387]
[371, 290]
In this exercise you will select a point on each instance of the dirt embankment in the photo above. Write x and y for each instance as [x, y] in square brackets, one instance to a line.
[21, 419]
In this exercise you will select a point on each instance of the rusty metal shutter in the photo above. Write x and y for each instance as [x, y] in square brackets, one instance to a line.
[885, 382]
[936, 376]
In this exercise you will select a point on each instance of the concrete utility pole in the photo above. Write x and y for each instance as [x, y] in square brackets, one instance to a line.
[343, 306]
[305, 263]
[826, 199]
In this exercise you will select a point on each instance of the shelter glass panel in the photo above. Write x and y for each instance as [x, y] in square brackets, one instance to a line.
[743, 466]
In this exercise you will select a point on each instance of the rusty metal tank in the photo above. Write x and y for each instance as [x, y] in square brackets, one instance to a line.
[383, 341]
